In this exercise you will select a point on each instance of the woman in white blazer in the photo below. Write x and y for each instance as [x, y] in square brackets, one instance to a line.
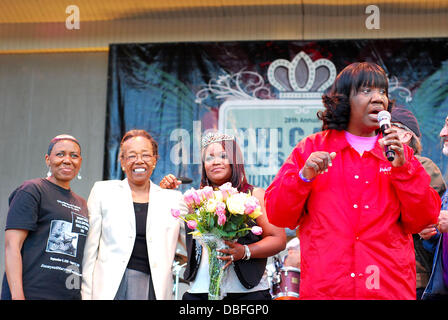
[132, 239]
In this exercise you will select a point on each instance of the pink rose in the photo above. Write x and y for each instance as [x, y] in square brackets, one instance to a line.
[257, 230]
[251, 204]
[192, 198]
[196, 197]
[220, 209]
[227, 190]
[222, 219]
[175, 213]
[188, 198]
[207, 193]
[192, 224]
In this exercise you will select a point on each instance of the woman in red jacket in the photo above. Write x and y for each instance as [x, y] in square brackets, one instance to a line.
[356, 210]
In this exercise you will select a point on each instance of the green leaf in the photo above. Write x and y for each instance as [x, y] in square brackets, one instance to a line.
[211, 223]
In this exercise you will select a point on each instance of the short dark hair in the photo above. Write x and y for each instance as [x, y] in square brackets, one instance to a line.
[139, 133]
[337, 98]
[235, 156]
[62, 137]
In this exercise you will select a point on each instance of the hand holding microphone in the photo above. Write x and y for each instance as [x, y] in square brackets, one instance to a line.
[384, 121]
[170, 181]
[393, 148]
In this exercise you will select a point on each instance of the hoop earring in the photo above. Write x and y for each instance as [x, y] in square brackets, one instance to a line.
[79, 175]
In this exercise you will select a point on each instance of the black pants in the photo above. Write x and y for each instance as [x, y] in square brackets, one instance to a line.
[256, 295]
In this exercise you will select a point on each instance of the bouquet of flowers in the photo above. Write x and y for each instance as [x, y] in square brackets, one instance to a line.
[218, 215]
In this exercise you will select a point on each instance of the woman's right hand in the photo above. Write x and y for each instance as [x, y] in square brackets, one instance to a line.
[428, 232]
[14, 239]
[170, 182]
[317, 163]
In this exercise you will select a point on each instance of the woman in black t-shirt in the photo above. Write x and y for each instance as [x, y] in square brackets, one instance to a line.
[46, 230]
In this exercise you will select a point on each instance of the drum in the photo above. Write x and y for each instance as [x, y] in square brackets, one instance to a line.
[285, 284]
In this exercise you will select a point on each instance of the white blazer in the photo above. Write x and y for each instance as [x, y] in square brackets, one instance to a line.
[112, 233]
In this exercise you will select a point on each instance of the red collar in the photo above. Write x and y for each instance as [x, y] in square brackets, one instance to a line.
[336, 141]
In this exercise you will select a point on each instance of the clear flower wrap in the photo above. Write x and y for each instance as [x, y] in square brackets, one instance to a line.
[218, 275]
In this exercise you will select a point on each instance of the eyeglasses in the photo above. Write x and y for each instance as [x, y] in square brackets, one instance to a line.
[401, 126]
[134, 156]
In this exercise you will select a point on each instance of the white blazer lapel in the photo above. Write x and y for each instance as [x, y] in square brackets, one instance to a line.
[128, 203]
[152, 209]
[160, 246]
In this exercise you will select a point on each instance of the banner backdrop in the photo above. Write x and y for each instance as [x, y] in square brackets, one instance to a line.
[265, 93]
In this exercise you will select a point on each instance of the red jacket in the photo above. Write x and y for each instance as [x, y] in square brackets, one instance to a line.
[355, 221]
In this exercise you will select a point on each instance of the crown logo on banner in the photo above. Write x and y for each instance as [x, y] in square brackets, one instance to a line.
[301, 77]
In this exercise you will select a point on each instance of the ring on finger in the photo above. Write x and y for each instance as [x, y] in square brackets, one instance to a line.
[231, 257]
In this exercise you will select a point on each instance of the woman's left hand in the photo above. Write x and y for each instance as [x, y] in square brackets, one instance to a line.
[392, 140]
[442, 224]
[234, 253]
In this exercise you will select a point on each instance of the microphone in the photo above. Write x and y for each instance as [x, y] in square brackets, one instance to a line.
[185, 180]
[384, 121]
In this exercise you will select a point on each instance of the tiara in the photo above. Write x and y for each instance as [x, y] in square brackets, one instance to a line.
[213, 137]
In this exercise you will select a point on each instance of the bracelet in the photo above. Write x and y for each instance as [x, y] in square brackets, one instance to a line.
[303, 178]
[246, 252]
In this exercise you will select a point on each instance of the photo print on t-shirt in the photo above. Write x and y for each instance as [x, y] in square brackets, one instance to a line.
[61, 239]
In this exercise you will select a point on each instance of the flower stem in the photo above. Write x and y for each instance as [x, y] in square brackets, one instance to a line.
[244, 229]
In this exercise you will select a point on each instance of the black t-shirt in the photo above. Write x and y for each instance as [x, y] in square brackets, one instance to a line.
[52, 253]
[139, 259]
